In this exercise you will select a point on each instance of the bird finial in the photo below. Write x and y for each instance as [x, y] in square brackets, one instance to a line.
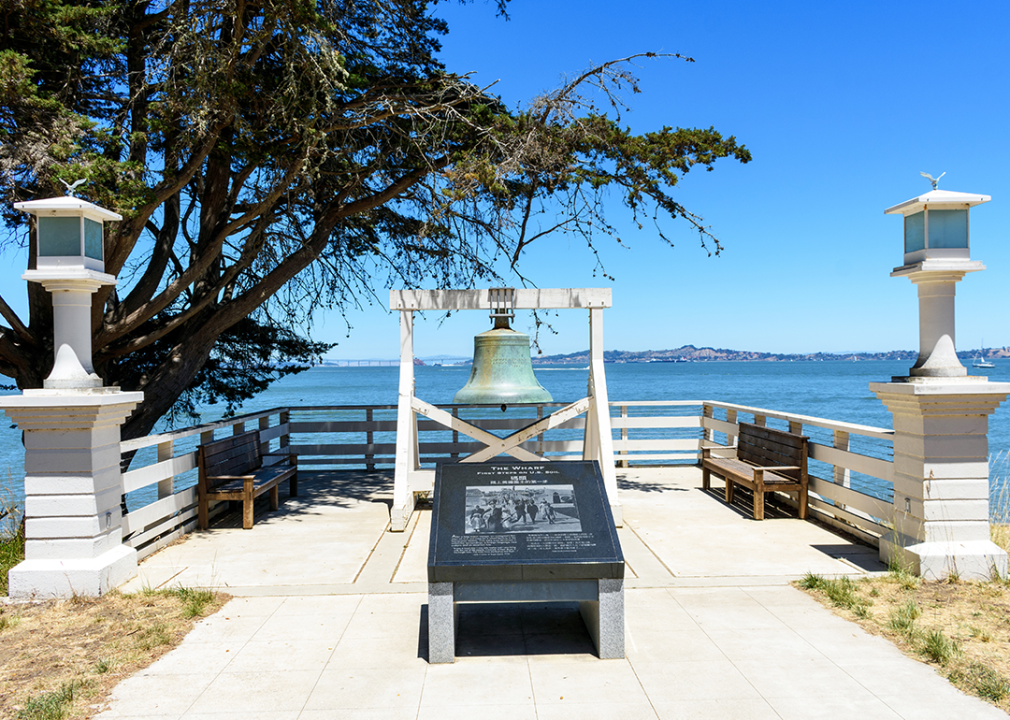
[71, 188]
[932, 179]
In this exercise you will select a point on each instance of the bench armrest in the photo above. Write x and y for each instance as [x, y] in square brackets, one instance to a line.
[231, 477]
[780, 467]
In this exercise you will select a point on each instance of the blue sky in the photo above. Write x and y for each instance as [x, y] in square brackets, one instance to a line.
[841, 104]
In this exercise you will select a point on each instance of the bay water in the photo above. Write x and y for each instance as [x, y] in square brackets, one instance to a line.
[835, 390]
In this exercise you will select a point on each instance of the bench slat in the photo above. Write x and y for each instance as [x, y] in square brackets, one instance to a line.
[771, 436]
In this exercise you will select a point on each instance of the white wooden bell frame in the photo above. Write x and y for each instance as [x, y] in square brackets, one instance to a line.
[598, 443]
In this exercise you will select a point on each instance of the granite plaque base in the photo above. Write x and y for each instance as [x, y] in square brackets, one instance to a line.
[524, 532]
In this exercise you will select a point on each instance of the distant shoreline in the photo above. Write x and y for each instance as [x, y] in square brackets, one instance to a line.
[690, 353]
[687, 353]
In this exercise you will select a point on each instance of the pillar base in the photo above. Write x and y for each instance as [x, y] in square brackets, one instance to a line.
[970, 560]
[90, 577]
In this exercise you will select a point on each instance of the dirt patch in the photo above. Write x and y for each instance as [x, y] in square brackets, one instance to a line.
[961, 627]
[67, 655]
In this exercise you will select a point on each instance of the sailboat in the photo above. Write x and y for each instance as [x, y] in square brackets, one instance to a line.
[980, 361]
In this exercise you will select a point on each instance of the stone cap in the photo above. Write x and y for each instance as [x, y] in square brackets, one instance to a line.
[918, 386]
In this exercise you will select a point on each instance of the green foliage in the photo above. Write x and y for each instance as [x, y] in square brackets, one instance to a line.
[983, 680]
[7, 620]
[903, 617]
[152, 637]
[51, 705]
[812, 581]
[938, 647]
[842, 592]
[195, 602]
[12, 543]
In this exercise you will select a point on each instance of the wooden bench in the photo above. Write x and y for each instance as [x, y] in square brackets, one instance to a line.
[232, 469]
[767, 461]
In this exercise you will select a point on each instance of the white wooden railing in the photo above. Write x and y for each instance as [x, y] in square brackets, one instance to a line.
[160, 485]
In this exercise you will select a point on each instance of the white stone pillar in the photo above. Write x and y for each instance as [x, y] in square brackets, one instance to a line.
[941, 477]
[937, 353]
[73, 487]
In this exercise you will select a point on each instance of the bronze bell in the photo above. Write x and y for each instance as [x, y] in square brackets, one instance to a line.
[502, 372]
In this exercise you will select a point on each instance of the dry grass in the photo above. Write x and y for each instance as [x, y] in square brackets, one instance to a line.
[61, 659]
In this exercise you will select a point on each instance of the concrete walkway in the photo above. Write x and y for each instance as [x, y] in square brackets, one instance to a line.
[331, 622]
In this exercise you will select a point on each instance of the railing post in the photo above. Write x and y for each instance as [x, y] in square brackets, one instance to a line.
[843, 476]
[264, 424]
[285, 439]
[540, 437]
[166, 451]
[760, 420]
[731, 418]
[238, 428]
[624, 437]
[796, 428]
[369, 439]
[707, 433]
[455, 434]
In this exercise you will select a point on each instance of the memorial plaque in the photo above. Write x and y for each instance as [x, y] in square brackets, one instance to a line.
[522, 521]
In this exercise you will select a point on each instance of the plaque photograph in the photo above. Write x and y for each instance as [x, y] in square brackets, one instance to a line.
[521, 509]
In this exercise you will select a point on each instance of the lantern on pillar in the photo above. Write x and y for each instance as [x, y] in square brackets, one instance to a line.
[937, 257]
[502, 371]
[70, 264]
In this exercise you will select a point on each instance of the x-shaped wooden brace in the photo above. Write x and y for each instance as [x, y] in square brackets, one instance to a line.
[495, 445]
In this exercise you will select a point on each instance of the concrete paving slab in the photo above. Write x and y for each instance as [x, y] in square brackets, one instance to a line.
[270, 688]
[288, 654]
[564, 682]
[809, 707]
[394, 713]
[388, 687]
[668, 647]
[413, 565]
[708, 680]
[156, 696]
[596, 711]
[736, 708]
[258, 715]
[514, 711]
[331, 621]
[478, 685]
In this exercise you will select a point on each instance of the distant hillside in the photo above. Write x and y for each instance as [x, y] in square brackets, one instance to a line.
[690, 353]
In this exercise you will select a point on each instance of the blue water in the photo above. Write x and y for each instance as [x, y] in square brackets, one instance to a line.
[833, 390]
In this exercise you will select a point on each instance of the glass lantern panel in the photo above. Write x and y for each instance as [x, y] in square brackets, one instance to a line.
[59, 236]
[948, 228]
[92, 239]
[915, 232]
